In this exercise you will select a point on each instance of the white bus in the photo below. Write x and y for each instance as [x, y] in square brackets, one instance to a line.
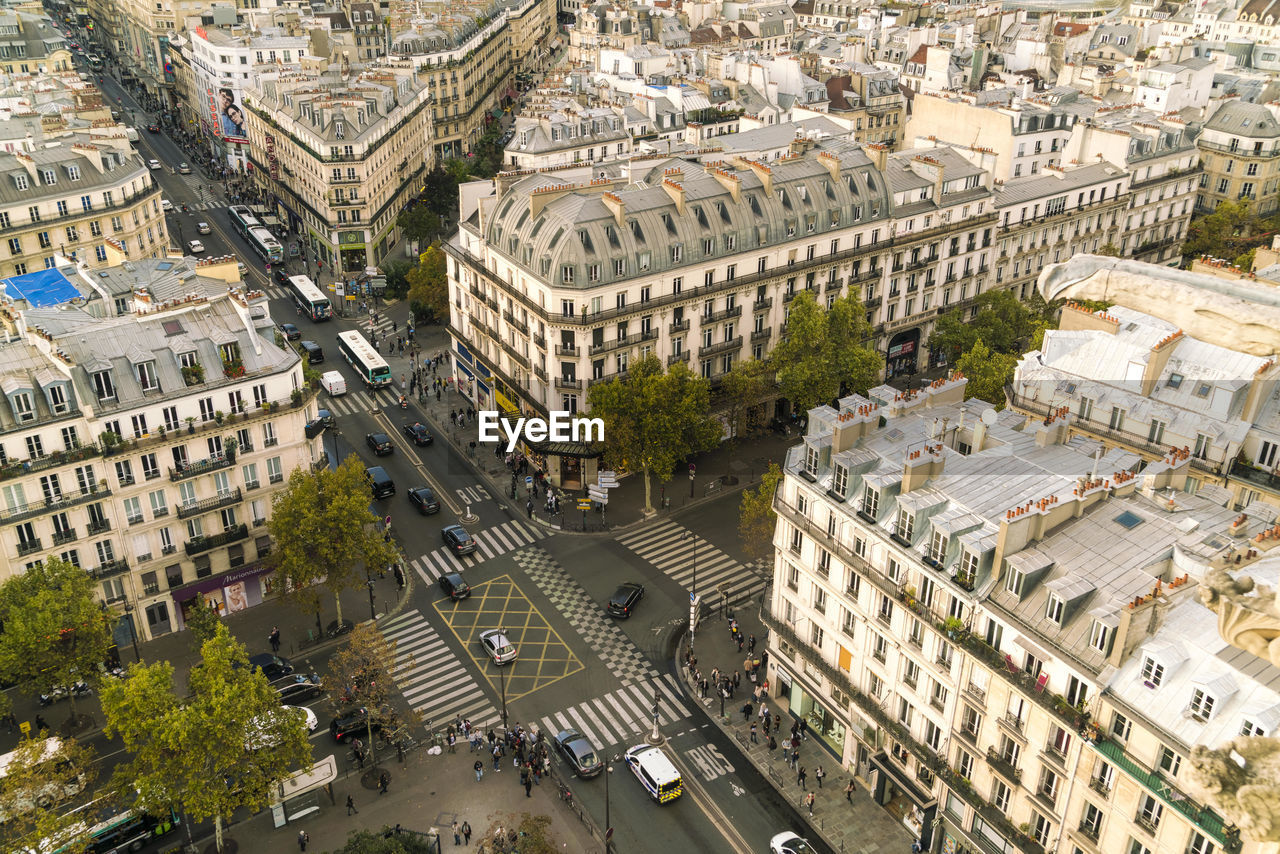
[310, 299]
[265, 244]
[66, 781]
[359, 353]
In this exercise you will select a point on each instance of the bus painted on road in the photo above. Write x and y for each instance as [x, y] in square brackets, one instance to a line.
[359, 353]
[310, 299]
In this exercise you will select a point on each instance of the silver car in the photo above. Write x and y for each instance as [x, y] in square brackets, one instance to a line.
[497, 647]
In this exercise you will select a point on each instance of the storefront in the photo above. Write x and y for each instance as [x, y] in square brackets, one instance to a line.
[903, 348]
[803, 704]
[909, 801]
[227, 593]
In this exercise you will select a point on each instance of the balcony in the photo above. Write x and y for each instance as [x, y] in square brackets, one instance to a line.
[540, 373]
[98, 526]
[110, 568]
[1003, 766]
[679, 326]
[568, 350]
[1257, 476]
[539, 342]
[733, 345]
[199, 545]
[1101, 786]
[762, 304]
[606, 378]
[61, 538]
[515, 356]
[682, 356]
[722, 314]
[53, 505]
[761, 334]
[48, 461]
[832, 285]
[197, 508]
[621, 343]
[1089, 831]
[29, 547]
[205, 466]
[568, 384]
[518, 324]
[1204, 818]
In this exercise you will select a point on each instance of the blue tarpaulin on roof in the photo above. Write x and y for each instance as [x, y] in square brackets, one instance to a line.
[41, 288]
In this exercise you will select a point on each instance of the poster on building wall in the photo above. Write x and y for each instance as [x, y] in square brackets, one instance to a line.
[224, 99]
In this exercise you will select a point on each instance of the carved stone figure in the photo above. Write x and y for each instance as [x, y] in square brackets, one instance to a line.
[1247, 614]
[1246, 795]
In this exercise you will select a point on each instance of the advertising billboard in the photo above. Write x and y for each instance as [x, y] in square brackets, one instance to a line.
[222, 95]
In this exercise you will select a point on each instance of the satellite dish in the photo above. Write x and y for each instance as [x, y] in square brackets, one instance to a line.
[989, 417]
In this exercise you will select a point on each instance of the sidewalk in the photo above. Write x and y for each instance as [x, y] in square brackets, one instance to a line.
[427, 793]
[859, 826]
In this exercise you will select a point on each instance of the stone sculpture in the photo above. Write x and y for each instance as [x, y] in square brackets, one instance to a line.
[1245, 794]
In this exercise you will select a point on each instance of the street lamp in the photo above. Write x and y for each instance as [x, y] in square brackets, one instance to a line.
[608, 828]
[133, 634]
[502, 681]
[693, 590]
[655, 737]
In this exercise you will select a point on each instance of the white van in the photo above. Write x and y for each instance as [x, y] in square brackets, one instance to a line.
[333, 382]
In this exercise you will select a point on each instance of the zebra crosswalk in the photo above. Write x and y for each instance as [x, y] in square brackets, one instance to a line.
[673, 549]
[435, 683]
[623, 714]
[358, 400]
[491, 542]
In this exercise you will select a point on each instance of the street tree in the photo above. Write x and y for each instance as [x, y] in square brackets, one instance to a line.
[1229, 232]
[824, 352]
[746, 385]
[653, 419]
[1004, 324]
[55, 630]
[36, 782]
[386, 841]
[202, 624]
[222, 747]
[362, 674]
[429, 285]
[756, 516]
[987, 373]
[419, 223]
[325, 532]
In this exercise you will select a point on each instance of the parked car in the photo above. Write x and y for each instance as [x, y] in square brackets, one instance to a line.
[425, 500]
[789, 842]
[350, 724]
[458, 540]
[624, 599]
[579, 753]
[258, 732]
[184, 169]
[380, 443]
[166, 206]
[153, 164]
[272, 665]
[291, 332]
[196, 247]
[497, 647]
[455, 586]
[418, 434]
[203, 228]
[297, 687]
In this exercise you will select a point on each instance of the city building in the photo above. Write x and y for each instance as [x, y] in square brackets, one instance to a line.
[31, 44]
[565, 136]
[342, 155]
[558, 280]
[73, 198]
[959, 598]
[150, 411]
[1240, 154]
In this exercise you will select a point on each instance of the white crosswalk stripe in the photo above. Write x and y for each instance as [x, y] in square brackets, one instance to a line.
[664, 545]
[434, 681]
[358, 401]
[490, 543]
[618, 717]
[473, 494]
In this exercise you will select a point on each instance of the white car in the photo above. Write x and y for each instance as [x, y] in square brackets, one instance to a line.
[790, 843]
[202, 228]
[166, 206]
[258, 736]
[154, 164]
[196, 247]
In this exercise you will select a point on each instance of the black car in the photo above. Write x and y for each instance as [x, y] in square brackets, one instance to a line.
[352, 724]
[418, 434]
[272, 665]
[291, 332]
[281, 275]
[153, 128]
[424, 499]
[380, 442]
[455, 585]
[624, 599]
[458, 540]
[579, 753]
[297, 687]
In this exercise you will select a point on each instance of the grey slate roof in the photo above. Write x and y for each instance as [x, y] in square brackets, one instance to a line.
[1242, 119]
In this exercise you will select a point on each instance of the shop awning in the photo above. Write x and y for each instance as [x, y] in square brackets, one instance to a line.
[918, 796]
[565, 449]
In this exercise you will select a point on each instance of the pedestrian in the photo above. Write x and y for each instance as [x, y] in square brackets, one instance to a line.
[479, 766]
[795, 757]
[764, 712]
[751, 643]
[773, 744]
[497, 754]
[528, 787]
[801, 776]
[466, 833]
[351, 806]
[457, 832]
[737, 680]
[382, 783]
[740, 641]
[453, 741]
[804, 727]
[818, 774]
[777, 722]
[528, 506]
[849, 790]
[808, 801]
[303, 839]
[41, 726]
[746, 713]
[274, 639]
[915, 846]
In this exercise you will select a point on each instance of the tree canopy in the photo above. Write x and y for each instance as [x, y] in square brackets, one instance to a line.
[1004, 324]
[386, 842]
[1230, 233]
[55, 630]
[987, 373]
[748, 382]
[756, 516]
[324, 531]
[223, 746]
[362, 674]
[654, 419]
[419, 222]
[429, 286]
[34, 778]
[824, 352]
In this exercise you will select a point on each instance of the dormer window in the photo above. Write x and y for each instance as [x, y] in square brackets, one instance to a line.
[146, 374]
[905, 526]
[870, 503]
[967, 574]
[338, 131]
[1054, 609]
[1152, 672]
[1251, 728]
[1100, 637]
[229, 352]
[57, 395]
[49, 177]
[20, 181]
[1202, 704]
[840, 480]
[937, 548]
[23, 407]
[811, 462]
[103, 386]
[73, 173]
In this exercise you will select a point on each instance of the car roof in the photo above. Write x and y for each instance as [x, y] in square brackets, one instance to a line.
[655, 762]
[376, 471]
[455, 578]
[376, 433]
[495, 633]
[452, 528]
[426, 489]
